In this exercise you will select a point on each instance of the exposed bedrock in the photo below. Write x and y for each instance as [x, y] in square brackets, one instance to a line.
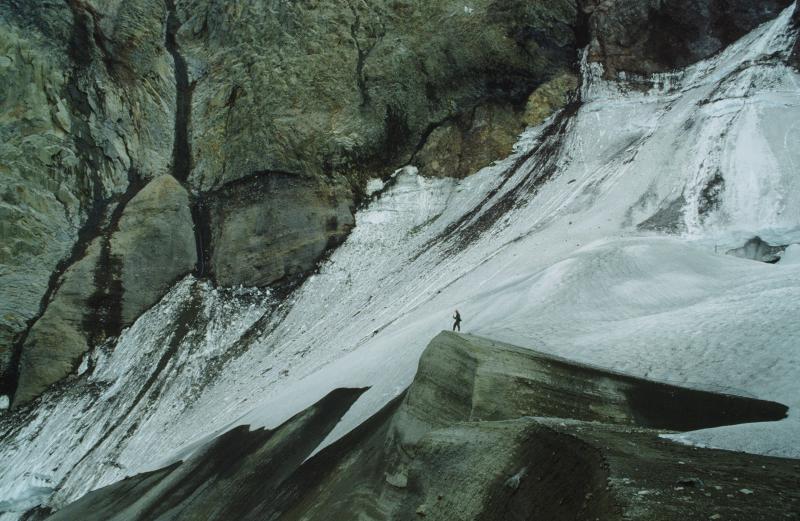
[759, 250]
[487, 431]
[354, 87]
[274, 226]
[86, 99]
[147, 245]
[648, 36]
[155, 243]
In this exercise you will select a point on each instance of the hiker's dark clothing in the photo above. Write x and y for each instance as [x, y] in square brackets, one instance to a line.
[457, 323]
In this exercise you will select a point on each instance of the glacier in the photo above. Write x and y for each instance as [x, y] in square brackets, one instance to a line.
[602, 238]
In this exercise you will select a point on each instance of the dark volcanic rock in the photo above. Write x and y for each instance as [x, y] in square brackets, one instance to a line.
[648, 36]
[759, 250]
[468, 441]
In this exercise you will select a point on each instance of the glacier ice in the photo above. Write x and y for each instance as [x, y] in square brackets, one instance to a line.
[601, 238]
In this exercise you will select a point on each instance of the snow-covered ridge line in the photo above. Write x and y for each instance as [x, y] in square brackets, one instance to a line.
[611, 262]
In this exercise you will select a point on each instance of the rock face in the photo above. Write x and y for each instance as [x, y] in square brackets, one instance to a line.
[86, 99]
[341, 87]
[155, 244]
[466, 144]
[123, 272]
[487, 431]
[100, 96]
[648, 36]
[272, 226]
[550, 97]
[56, 342]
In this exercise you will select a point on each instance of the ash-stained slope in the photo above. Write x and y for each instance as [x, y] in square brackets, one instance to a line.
[486, 431]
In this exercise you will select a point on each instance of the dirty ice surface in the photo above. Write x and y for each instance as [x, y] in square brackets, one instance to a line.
[602, 239]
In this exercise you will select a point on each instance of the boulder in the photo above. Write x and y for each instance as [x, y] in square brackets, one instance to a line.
[274, 225]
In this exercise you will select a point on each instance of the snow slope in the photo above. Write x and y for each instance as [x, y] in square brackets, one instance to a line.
[601, 239]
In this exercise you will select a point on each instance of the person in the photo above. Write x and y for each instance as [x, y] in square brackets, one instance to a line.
[457, 323]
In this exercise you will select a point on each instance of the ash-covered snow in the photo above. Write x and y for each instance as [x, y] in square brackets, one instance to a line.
[601, 239]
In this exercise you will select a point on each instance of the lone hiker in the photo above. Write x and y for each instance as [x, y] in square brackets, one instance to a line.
[457, 323]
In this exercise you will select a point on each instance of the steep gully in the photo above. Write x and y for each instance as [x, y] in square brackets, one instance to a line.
[181, 148]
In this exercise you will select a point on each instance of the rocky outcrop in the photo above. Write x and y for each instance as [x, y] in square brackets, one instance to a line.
[467, 143]
[759, 250]
[274, 226]
[352, 87]
[58, 339]
[550, 97]
[87, 94]
[155, 244]
[648, 36]
[148, 244]
[487, 431]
